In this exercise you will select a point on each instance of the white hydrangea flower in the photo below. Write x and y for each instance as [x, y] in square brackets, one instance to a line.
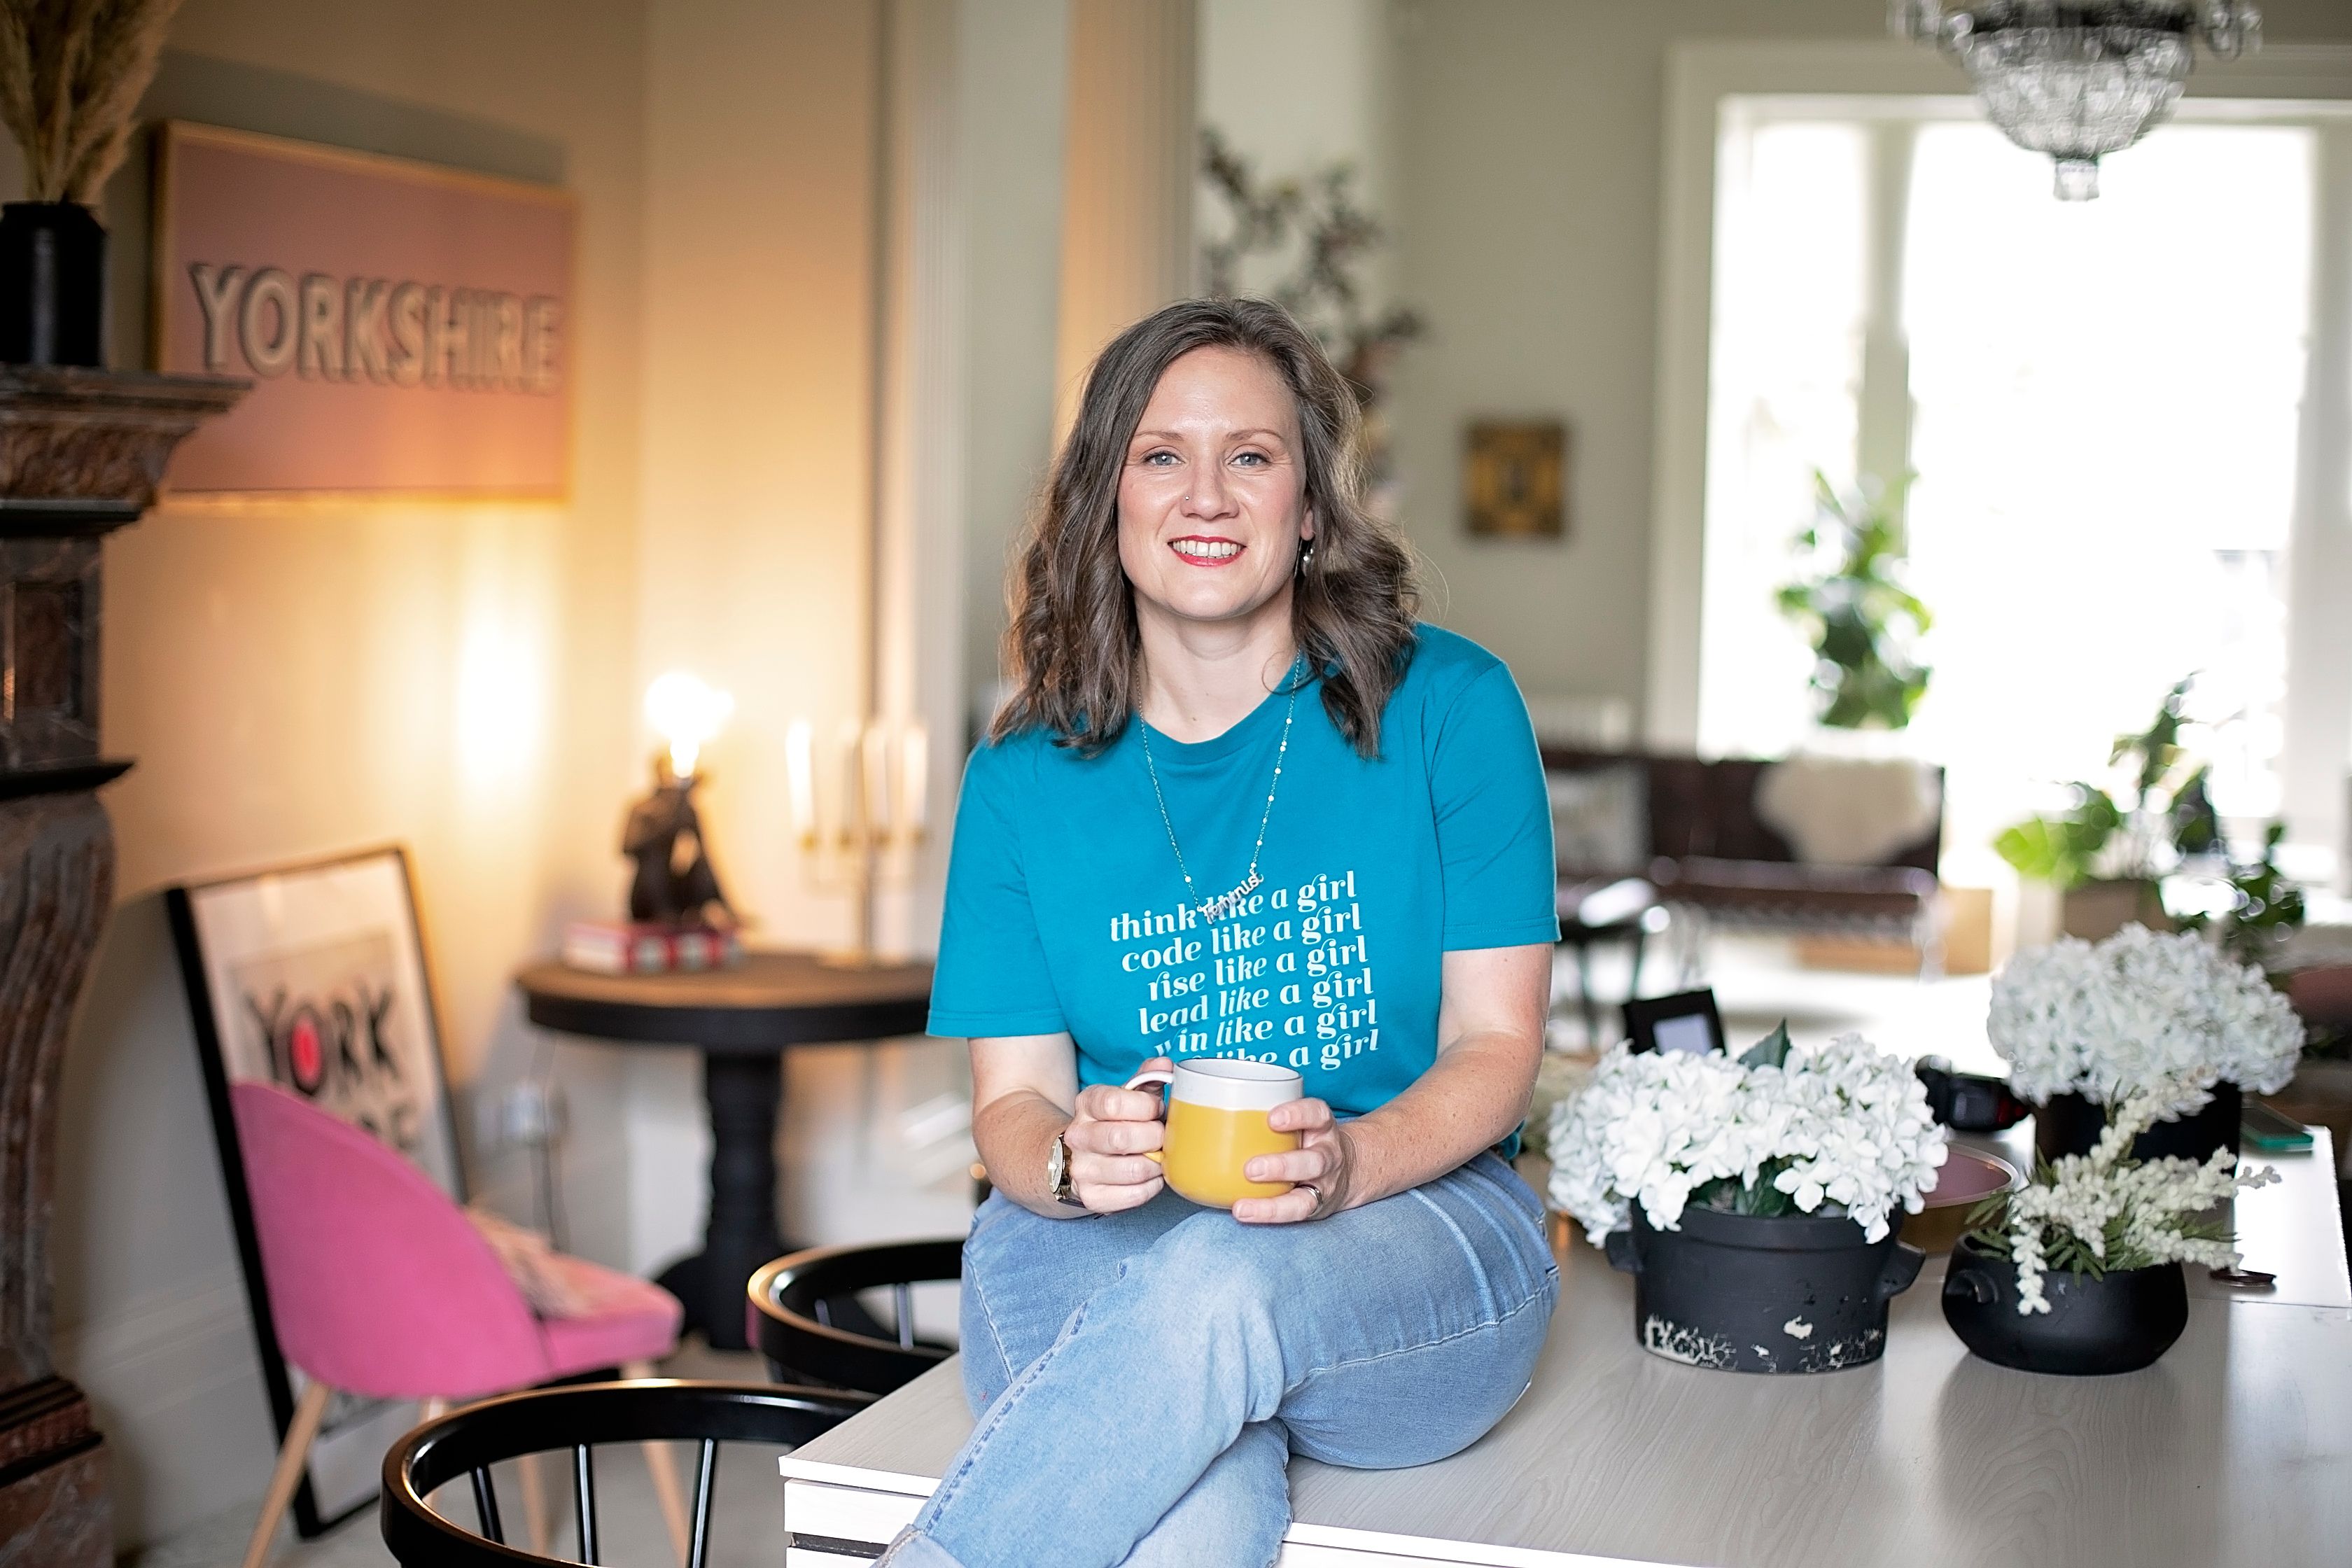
[1849, 1124]
[2142, 1006]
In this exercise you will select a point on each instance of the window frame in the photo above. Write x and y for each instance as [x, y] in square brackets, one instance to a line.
[1718, 89]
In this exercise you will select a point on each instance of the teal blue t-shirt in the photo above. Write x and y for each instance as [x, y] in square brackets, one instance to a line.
[1066, 909]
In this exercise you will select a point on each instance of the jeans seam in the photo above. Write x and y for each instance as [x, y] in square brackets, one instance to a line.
[1378, 1356]
[995, 1330]
[1001, 1409]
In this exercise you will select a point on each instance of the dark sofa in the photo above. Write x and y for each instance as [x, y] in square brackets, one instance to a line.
[1707, 852]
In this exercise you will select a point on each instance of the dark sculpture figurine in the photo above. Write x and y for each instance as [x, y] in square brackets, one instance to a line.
[675, 883]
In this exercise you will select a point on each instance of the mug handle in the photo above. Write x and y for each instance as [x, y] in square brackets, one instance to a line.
[1160, 1075]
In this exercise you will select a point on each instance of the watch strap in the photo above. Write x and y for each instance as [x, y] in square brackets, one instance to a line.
[1057, 1171]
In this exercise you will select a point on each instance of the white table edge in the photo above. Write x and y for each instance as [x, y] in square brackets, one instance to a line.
[876, 1503]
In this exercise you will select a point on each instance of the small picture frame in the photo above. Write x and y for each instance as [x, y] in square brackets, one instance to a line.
[1515, 479]
[313, 977]
[1687, 1022]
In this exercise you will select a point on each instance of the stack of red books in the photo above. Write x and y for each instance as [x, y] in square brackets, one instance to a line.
[647, 947]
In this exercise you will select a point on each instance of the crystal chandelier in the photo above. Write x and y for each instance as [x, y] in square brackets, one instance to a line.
[2079, 79]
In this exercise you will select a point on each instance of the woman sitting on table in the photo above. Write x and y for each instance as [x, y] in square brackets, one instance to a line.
[1220, 685]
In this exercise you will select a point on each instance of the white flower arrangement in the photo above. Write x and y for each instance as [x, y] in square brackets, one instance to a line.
[2138, 1008]
[1843, 1128]
[2090, 1213]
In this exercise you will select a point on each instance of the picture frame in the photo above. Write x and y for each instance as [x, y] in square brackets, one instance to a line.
[314, 976]
[1515, 479]
[1688, 1021]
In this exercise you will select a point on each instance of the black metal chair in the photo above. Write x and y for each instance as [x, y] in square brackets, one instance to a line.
[806, 1317]
[581, 1417]
[1627, 911]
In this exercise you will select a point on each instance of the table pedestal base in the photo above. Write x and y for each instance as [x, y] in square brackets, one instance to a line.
[743, 1090]
[744, 1018]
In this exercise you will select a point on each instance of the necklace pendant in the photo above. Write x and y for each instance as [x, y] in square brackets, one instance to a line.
[1224, 904]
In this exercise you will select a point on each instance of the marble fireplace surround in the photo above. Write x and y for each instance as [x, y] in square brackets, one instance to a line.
[81, 454]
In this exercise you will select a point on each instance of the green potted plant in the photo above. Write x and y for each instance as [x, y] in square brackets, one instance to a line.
[2104, 853]
[1852, 606]
[70, 79]
[2264, 909]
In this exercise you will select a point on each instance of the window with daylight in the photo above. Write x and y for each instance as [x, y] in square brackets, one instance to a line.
[2103, 403]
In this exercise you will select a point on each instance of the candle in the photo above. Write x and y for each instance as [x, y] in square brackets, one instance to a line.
[915, 778]
[874, 767]
[853, 784]
[800, 777]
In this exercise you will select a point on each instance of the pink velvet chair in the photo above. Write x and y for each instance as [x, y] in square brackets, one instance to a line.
[380, 1286]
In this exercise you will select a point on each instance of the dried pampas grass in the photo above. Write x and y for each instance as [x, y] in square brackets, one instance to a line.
[70, 75]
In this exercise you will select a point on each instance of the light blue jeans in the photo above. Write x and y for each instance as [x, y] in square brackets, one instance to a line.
[1141, 1379]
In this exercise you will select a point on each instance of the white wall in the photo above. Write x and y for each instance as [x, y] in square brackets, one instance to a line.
[1298, 86]
[1015, 62]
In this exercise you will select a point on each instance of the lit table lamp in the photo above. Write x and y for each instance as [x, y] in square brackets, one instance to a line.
[675, 882]
[678, 917]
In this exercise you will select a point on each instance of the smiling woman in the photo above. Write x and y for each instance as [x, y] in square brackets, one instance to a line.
[1234, 770]
[1215, 440]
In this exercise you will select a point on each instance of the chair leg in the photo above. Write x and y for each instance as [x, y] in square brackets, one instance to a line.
[288, 1474]
[664, 1474]
[1585, 1002]
[534, 1502]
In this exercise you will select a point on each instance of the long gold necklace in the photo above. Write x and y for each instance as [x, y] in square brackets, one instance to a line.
[1224, 904]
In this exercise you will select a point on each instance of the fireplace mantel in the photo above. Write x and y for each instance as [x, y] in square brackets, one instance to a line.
[81, 454]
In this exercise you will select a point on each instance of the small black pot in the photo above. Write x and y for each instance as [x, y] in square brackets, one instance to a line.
[2119, 1323]
[2069, 1124]
[52, 284]
[1745, 1293]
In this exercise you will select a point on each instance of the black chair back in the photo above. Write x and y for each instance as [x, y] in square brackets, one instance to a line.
[805, 1317]
[581, 1417]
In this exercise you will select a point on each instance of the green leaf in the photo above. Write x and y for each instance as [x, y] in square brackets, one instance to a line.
[1770, 1051]
[1857, 614]
[1761, 1197]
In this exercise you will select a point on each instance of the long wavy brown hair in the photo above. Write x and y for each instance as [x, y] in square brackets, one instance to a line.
[1072, 649]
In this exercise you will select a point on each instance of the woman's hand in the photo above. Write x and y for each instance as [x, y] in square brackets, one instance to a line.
[1108, 1140]
[1321, 1170]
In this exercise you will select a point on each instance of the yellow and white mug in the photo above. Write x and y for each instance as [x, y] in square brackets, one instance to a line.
[1217, 1125]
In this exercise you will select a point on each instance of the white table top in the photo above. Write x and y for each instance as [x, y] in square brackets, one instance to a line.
[2235, 1448]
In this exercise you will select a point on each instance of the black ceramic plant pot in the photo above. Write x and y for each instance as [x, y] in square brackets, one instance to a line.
[2069, 1124]
[1797, 1293]
[52, 284]
[2119, 1323]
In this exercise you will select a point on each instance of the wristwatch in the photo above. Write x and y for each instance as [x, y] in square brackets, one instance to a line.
[1057, 1174]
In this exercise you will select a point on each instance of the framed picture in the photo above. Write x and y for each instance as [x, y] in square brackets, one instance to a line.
[1515, 479]
[1686, 1021]
[313, 977]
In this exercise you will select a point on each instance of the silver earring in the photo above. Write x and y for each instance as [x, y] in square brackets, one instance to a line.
[1306, 558]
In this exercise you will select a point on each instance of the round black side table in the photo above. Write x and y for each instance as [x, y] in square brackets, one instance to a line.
[743, 1020]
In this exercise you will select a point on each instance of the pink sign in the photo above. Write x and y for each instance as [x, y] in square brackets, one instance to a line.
[406, 326]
